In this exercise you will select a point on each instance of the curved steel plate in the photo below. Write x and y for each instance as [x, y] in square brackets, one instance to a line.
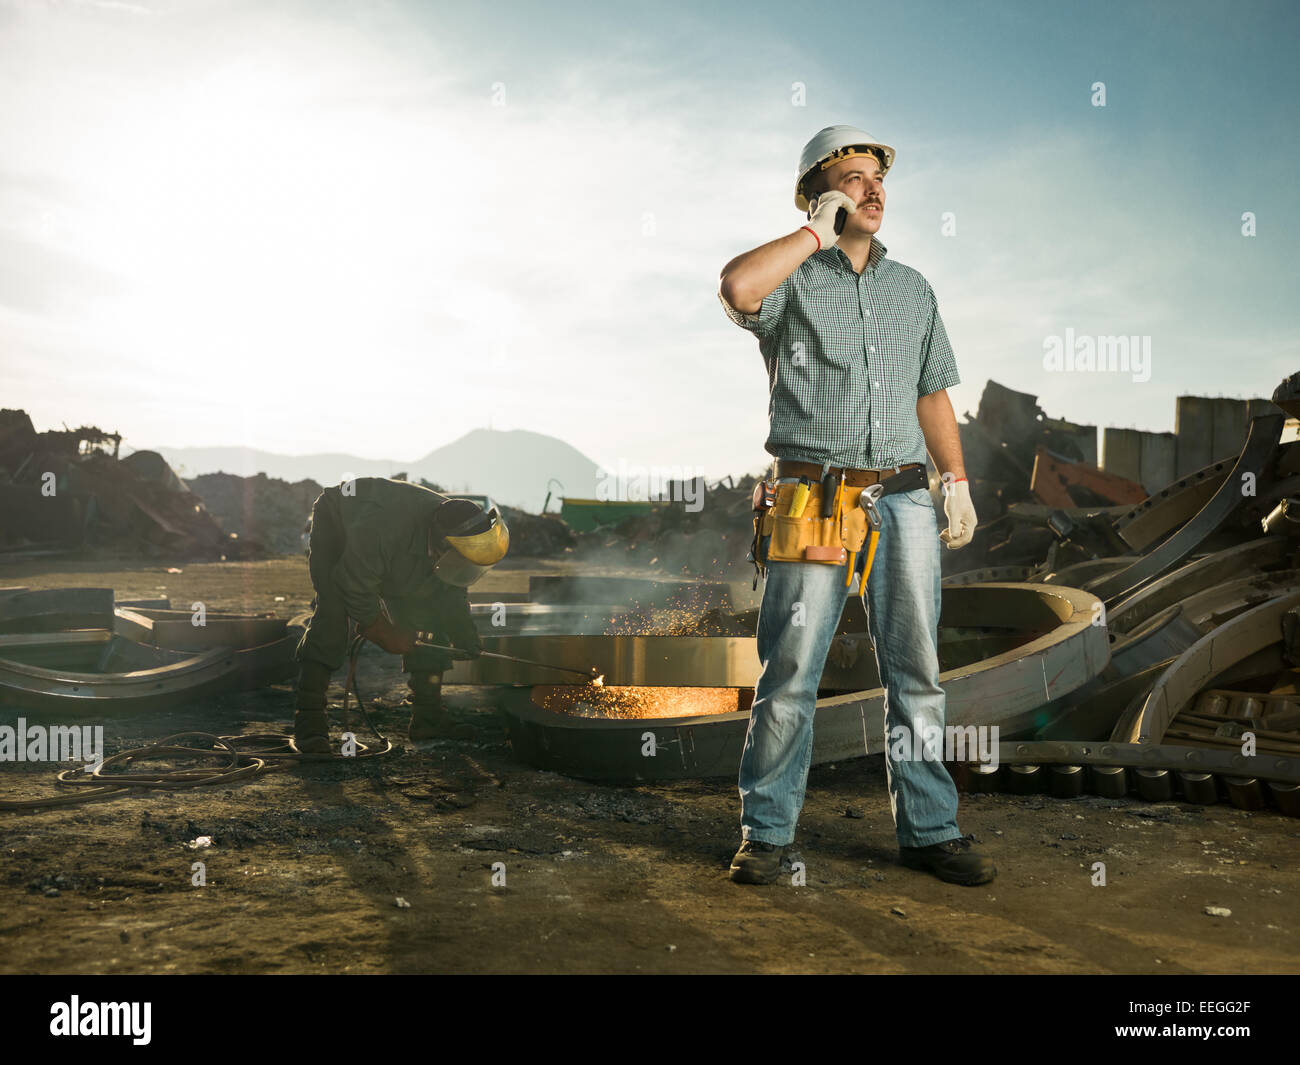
[1005, 690]
[33, 688]
[1248, 633]
[1260, 446]
[1204, 572]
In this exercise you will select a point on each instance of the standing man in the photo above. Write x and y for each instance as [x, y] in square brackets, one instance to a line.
[858, 363]
[397, 559]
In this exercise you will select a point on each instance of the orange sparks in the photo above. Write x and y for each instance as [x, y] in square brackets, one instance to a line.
[614, 701]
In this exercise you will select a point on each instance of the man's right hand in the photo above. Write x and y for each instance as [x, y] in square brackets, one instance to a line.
[824, 209]
[392, 638]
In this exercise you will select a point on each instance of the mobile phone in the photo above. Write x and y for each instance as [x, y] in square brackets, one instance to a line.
[841, 216]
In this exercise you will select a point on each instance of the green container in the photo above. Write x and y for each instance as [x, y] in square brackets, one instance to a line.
[583, 515]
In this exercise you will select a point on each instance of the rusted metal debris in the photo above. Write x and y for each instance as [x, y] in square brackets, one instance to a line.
[68, 490]
[1060, 482]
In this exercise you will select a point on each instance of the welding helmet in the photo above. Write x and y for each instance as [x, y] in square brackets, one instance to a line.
[466, 541]
[831, 145]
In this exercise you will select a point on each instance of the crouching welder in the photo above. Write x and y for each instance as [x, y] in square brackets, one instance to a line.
[396, 559]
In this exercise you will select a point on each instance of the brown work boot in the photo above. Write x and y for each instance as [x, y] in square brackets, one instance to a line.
[311, 728]
[427, 723]
[429, 720]
[952, 860]
[757, 862]
[311, 732]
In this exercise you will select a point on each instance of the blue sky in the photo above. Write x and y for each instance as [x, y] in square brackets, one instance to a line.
[372, 227]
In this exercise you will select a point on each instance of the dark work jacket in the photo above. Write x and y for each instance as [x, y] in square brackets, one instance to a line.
[386, 554]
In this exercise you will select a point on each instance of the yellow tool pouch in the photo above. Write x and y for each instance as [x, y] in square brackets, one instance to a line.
[811, 538]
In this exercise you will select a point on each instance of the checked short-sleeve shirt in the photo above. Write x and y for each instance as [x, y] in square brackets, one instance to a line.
[847, 357]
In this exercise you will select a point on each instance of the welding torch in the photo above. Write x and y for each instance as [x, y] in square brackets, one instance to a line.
[425, 639]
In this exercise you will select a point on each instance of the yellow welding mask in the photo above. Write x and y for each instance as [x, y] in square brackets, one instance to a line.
[467, 541]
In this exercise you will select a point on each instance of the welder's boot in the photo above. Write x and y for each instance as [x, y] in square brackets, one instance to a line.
[429, 720]
[310, 721]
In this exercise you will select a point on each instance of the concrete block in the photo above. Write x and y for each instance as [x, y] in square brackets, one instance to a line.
[1122, 452]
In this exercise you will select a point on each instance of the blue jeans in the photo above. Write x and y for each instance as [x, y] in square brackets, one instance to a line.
[802, 604]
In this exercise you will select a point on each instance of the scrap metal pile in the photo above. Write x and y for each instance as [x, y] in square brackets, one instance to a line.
[264, 509]
[704, 538]
[69, 490]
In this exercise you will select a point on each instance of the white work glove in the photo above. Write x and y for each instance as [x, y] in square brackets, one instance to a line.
[822, 222]
[961, 514]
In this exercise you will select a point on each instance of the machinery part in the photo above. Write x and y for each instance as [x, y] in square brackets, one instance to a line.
[1024, 779]
[1287, 797]
[1249, 781]
[1284, 770]
[1285, 517]
[1066, 781]
[1246, 793]
[1199, 787]
[984, 777]
[1109, 781]
[1256, 454]
[1154, 785]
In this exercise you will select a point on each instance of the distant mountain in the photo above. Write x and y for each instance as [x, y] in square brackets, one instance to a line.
[246, 462]
[513, 467]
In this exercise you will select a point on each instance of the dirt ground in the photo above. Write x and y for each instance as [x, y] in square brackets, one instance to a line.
[308, 864]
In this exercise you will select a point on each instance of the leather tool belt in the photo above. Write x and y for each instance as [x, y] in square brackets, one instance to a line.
[808, 537]
[852, 477]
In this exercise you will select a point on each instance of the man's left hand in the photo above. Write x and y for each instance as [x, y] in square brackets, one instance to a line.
[961, 514]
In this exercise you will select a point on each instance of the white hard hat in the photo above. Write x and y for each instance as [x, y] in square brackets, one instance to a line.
[828, 147]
